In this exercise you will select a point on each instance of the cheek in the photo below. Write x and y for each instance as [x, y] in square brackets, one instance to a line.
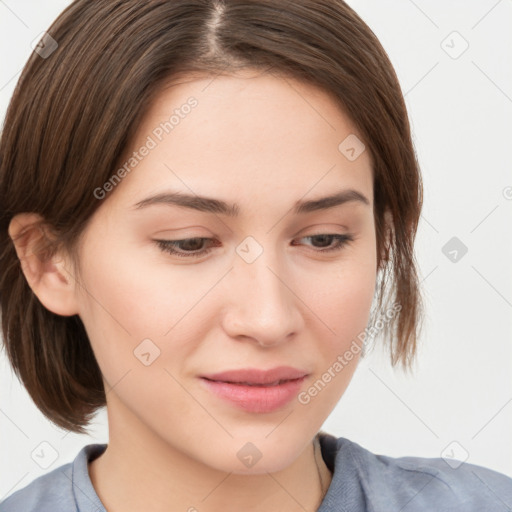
[136, 307]
[134, 294]
[350, 309]
[343, 304]
[123, 303]
[342, 297]
[346, 311]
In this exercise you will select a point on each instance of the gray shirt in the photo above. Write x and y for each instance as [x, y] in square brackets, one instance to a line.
[362, 481]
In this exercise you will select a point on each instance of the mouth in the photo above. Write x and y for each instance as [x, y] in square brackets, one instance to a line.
[257, 377]
[256, 391]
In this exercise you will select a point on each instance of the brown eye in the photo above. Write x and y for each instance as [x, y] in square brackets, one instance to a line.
[326, 241]
[185, 248]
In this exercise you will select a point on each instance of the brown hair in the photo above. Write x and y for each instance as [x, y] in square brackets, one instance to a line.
[74, 112]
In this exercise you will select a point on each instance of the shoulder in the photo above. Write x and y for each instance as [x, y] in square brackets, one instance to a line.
[54, 491]
[418, 483]
[51, 491]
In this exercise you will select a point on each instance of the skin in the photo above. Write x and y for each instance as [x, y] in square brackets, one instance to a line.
[263, 142]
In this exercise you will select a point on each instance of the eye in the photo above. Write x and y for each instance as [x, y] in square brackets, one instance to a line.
[195, 247]
[190, 247]
[326, 241]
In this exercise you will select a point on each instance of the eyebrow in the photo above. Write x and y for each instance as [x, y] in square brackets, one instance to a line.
[217, 206]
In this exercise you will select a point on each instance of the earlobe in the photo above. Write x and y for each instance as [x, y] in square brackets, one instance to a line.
[48, 275]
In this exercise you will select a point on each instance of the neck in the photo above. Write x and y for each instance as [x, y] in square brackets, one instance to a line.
[135, 474]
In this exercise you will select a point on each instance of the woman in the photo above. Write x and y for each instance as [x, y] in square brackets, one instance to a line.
[214, 200]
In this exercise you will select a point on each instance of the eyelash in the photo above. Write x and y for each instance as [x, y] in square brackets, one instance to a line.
[169, 245]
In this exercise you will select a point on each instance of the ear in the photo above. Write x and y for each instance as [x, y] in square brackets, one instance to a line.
[49, 276]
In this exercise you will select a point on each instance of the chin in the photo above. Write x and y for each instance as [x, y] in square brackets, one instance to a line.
[256, 454]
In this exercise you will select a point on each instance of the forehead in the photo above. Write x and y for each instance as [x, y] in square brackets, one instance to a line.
[252, 132]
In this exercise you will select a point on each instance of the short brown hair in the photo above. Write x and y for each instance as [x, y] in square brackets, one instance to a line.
[87, 99]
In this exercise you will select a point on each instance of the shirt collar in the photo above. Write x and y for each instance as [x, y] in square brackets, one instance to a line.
[84, 493]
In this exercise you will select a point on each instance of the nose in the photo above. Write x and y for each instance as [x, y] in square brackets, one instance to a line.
[262, 304]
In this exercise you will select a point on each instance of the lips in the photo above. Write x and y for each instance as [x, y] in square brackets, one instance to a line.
[256, 391]
[256, 377]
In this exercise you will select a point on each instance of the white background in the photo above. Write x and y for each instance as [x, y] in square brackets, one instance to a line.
[461, 115]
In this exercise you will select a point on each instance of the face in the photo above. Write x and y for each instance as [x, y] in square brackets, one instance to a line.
[256, 283]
